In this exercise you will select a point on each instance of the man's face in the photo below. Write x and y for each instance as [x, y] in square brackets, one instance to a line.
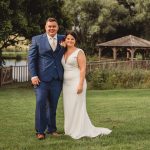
[51, 28]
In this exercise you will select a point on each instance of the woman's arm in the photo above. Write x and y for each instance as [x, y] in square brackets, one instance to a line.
[82, 66]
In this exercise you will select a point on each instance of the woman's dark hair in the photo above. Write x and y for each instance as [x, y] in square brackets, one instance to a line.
[73, 33]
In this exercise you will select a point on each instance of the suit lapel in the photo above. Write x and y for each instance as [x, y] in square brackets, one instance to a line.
[58, 44]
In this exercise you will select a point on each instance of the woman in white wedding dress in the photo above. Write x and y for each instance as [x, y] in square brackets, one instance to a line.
[77, 123]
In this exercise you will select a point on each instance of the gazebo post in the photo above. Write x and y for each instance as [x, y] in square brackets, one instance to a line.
[99, 53]
[128, 55]
[114, 53]
[144, 54]
[132, 51]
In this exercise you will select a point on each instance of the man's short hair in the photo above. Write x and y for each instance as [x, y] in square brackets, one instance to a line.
[51, 20]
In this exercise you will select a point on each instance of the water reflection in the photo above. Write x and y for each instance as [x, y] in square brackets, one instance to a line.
[14, 62]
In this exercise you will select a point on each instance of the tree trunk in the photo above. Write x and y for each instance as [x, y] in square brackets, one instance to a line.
[0, 57]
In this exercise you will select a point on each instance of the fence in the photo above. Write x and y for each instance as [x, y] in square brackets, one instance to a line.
[21, 74]
[14, 74]
[123, 65]
[5, 75]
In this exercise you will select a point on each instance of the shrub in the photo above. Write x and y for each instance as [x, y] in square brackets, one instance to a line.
[110, 79]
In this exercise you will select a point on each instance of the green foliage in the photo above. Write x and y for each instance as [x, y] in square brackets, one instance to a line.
[101, 20]
[15, 55]
[27, 18]
[94, 21]
[112, 79]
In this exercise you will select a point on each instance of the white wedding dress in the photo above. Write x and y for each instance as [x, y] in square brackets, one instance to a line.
[77, 123]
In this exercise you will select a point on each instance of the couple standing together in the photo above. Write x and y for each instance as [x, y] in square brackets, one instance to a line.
[54, 66]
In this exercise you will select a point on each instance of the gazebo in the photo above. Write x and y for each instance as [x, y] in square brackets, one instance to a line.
[130, 43]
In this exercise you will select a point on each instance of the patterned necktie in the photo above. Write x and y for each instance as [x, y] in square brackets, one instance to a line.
[53, 44]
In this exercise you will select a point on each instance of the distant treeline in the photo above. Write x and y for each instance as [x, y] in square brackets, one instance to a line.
[94, 21]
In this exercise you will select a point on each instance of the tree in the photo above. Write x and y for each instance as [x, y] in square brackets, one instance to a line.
[27, 18]
[100, 20]
[94, 20]
[142, 17]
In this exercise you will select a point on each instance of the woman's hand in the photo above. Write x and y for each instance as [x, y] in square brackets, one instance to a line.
[79, 89]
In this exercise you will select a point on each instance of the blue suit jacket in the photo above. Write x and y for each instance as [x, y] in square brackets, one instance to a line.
[42, 61]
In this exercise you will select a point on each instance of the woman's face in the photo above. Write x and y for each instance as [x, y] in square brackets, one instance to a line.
[70, 40]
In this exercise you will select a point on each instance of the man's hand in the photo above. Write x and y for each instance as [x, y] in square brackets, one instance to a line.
[35, 81]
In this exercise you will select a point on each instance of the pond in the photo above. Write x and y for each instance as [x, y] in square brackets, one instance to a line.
[14, 62]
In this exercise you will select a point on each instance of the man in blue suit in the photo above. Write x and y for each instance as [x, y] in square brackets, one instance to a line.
[46, 71]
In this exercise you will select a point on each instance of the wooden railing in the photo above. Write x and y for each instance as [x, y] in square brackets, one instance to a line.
[14, 74]
[5, 75]
[123, 65]
[21, 74]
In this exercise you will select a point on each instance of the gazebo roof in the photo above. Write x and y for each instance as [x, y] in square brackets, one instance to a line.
[126, 41]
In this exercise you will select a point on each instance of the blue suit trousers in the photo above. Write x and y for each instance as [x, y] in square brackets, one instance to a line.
[47, 95]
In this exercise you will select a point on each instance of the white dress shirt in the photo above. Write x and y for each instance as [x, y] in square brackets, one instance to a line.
[52, 41]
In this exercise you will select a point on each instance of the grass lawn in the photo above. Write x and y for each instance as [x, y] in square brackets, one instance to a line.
[126, 112]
